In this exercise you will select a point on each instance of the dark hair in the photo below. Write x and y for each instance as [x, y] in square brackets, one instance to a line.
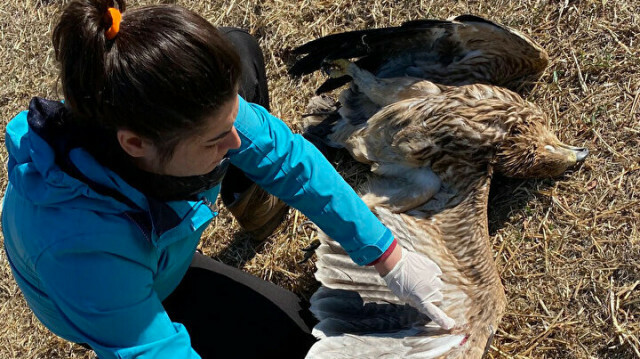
[165, 70]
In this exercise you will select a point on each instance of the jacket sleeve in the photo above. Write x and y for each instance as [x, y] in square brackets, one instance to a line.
[111, 302]
[291, 168]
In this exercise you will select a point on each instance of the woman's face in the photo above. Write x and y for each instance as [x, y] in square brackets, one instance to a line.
[201, 153]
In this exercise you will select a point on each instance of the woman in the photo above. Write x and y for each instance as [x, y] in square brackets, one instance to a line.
[110, 191]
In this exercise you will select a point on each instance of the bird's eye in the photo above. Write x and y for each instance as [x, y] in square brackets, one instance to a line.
[550, 148]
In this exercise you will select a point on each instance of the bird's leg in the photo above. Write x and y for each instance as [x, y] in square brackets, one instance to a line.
[381, 91]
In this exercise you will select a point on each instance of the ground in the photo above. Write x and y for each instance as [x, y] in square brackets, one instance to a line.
[568, 249]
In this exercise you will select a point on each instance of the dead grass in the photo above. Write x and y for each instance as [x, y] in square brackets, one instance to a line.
[568, 249]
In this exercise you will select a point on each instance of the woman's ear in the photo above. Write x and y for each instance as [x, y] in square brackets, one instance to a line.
[135, 145]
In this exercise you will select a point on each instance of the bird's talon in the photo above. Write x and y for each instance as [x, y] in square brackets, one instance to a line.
[336, 68]
[310, 251]
[312, 246]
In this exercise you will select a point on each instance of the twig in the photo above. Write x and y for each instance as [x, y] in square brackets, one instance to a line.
[623, 334]
[635, 103]
[546, 333]
[615, 38]
[585, 89]
[607, 145]
[611, 211]
[295, 222]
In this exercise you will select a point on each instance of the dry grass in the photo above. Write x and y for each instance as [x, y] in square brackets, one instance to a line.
[568, 250]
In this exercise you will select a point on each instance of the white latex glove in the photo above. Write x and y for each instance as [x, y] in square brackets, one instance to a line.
[415, 279]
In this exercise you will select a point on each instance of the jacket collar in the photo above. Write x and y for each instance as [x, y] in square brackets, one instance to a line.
[48, 120]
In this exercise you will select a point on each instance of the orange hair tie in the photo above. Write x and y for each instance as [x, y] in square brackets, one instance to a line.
[116, 17]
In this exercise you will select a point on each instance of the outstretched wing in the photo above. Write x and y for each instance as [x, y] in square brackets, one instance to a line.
[467, 49]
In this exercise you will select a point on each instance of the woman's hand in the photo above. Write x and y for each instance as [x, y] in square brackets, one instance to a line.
[415, 279]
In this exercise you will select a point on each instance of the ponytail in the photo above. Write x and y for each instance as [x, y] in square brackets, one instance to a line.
[80, 46]
[164, 71]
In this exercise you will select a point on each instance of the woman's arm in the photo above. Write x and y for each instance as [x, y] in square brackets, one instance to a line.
[288, 166]
[291, 168]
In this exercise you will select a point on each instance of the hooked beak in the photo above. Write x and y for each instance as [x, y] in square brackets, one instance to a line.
[580, 153]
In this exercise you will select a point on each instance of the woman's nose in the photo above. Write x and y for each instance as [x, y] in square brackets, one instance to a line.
[234, 139]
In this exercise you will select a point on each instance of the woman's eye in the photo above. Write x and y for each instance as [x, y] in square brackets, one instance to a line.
[550, 148]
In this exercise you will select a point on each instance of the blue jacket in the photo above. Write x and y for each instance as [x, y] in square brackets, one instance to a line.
[95, 269]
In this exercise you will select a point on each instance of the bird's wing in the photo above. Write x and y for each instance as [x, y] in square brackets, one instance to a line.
[466, 49]
[360, 318]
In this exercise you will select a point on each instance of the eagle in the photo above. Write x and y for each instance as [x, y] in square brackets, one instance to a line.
[430, 107]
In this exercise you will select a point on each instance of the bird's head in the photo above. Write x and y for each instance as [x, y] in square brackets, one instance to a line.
[531, 150]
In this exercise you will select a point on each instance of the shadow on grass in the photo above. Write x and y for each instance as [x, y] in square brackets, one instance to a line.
[243, 248]
[509, 196]
[240, 250]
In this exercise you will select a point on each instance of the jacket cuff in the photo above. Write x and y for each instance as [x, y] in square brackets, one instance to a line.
[386, 253]
[371, 252]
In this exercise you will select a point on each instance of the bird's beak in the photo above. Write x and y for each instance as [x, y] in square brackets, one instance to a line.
[579, 153]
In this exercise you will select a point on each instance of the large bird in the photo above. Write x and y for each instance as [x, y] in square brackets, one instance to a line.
[433, 146]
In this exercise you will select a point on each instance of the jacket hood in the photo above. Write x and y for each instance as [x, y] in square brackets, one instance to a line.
[48, 167]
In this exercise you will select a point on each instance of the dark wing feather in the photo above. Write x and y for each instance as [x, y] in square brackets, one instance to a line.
[333, 83]
[467, 49]
[467, 18]
[355, 44]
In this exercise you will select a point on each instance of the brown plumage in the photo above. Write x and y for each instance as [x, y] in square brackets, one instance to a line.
[432, 149]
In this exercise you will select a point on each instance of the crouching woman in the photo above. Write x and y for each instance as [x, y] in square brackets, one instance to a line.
[110, 191]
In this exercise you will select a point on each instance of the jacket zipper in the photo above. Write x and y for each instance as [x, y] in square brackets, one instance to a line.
[139, 227]
[212, 206]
